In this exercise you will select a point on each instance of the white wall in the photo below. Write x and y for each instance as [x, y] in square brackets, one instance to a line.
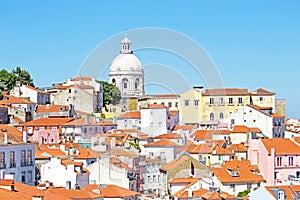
[154, 121]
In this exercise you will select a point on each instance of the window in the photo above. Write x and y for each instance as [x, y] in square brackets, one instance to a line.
[125, 122]
[186, 102]
[281, 195]
[261, 99]
[12, 162]
[136, 83]
[149, 179]
[23, 178]
[240, 100]
[125, 85]
[170, 104]
[211, 116]
[151, 124]
[160, 124]
[41, 128]
[136, 121]
[176, 104]
[211, 101]
[192, 169]
[154, 178]
[196, 102]
[221, 116]
[230, 101]
[29, 175]
[276, 175]
[221, 101]
[232, 186]
[278, 161]
[151, 154]
[163, 103]
[70, 90]
[23, 158]
[54, 128]
[291, 161]
[29, 157]
[158, 178]
[2, 160]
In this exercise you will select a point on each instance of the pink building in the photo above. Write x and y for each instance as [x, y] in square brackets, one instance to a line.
[45, 136]
[278, 159]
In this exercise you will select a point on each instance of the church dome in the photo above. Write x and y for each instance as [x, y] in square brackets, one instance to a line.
[126, 62]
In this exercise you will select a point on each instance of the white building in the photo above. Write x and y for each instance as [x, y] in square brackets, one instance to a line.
[154, 119]
[127, 73]
[129, 120]
[64, 173]
[104, 171]
[270, 123]
[16, 156]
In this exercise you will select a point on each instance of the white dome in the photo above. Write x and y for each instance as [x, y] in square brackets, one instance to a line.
[126, 62]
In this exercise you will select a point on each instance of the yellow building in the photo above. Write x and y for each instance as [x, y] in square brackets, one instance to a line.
[218, 104]
[169, 100]
[190, 106]
[263, 98]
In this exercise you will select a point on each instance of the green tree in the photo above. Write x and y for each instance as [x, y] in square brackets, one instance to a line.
[111, 93]
[23, 76]
[7, 80]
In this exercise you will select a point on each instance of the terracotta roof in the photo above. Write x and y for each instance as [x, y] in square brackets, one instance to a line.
[184, 180]
[131, 115]
[47, 122]
[169, 136]
[52, 108]
[164, 96]
[262, 92]
[185, 147]
[218, 196]
[85, 153]
[297, 139]
[243, 170]
[175, 163]
[202, 134]
[14, 136]
[154, 106]
[225, 92]
[15, 100]
[245, 129]
[290, 191]
[281, 146]
[82, 79]
[42, 152]
[184, 127]
[118, 163]
[7, 182]
[173, 112]
[63, 193]
[238, 147]
[36, 89]
[162, 143]
[122, 152]
[87, 121]
[111, 191]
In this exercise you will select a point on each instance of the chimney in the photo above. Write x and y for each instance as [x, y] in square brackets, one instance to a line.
[25, 138]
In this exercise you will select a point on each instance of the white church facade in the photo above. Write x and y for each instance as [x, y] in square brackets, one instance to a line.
[127, 73]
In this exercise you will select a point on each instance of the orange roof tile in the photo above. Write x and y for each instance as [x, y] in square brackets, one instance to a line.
[164, 96]
[171, 165]
[184, 127]
[290, 191]
[281, 146]
[202, 134]
[112, 191]
[154, 106]
[225, 92]
[117, 162]
[261, 92]
[47, 122]
[7, 182]
[51, 108]
[162, 143]
[131, 115]
[15, 100]
[85, 153]
[169, 136]
[243, 169]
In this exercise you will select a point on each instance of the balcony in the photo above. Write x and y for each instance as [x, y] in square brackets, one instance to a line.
[2, 166]
[12, 165]
[26, 163]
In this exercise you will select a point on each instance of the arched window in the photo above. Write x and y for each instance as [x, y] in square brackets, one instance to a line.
[221, 116]
[136, 83]
[212, 116]
[114, 81]
[125, 83]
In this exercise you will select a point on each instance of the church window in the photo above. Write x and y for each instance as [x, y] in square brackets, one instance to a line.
[125, 83]
[136, 83]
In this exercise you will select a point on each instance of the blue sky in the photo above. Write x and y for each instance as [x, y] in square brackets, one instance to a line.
[253, 43]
